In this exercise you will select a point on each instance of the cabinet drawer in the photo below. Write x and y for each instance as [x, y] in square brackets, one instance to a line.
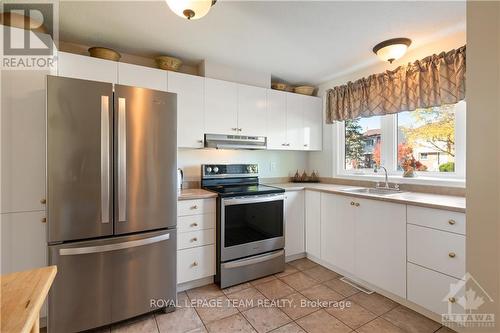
[195, 222]
[430, 289]
[186, 240]
[438, 250]
[194, 207]
[195, 263]
[437, 219]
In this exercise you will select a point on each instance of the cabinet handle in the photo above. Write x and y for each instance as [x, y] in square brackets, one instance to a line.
[43, 201]
[357, 204]
[452, 299]
[195, 264]
[194, 239]
[199, 141]
[43, 220]
[194, 207]
[451, 222]
[306, 145]
[452, 254]
[240, 129]
[234, 129]
[194, 224]
[352, 203]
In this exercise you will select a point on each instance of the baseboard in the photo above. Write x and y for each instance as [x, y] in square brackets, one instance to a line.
[295, 257]
[195, 283]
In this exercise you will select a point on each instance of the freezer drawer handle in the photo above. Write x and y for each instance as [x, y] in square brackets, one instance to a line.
[122, 160]
[251, 261]
[105, 159]
[112, 247]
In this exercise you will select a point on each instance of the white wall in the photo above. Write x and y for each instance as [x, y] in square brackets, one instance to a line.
[271, 163]
[323, 161]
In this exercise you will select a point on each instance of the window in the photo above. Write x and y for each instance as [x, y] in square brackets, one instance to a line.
[430, 142]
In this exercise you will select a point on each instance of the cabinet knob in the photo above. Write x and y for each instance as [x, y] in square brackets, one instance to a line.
[452, 299]
[352, 203]
[43, 220]
[195, 264]
[240, 129]
[194, 224]
[357, 204]
[306, 145]
[199, 141]
[194, 207]
[452, 254]
[43, 201]
[234, 129]
[451, 222]
[194, 239]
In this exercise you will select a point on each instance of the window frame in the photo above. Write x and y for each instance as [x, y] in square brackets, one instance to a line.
[388, 153]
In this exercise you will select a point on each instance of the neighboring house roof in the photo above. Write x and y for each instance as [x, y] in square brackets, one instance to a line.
[373, 132]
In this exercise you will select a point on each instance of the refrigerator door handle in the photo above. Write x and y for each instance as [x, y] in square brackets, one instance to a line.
[113, 247]
[105, 159]
[122, 160]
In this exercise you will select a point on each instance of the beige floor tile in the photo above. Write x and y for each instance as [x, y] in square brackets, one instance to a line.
[445, 330]
[275, 289]
[215, 309]
[201, 329]
[341, 287]
[182, 300]
[289, 269]
[321, 273]
[322, 322]
[265, 319]
[181, 320]
[206, 292]
[106, 329]
[353, 316]
[236, 323]
[322, 293]
[302, 264]
[296, 306]
[143, 324]
[375, 303]
[289, 328]
[263, 280]
[238, 287]
[299, 281]
[247, 298]
[379, 325]
[410, 321]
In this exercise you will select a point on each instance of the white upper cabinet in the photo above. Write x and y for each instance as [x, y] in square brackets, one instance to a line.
[87, 68]
[221, 107]
[276, 119]
[295, 121]
[190, 108]
[252, 110]
[313, 123]
[140, 76]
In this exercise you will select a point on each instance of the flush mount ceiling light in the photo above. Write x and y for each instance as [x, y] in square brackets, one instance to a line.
[191, 9]
[392, 49]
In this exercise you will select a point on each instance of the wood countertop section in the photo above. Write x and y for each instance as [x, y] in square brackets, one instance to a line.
[447, 202]
[195, 193]
[23, 294]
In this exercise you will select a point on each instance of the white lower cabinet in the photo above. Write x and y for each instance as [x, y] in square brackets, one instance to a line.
[294, 223]
[313, 223]
[195, 263]
[337, 231]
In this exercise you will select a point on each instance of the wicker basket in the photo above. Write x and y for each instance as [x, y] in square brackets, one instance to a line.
[304, 90]
[168, 63]
[104, 53]
[279, 86]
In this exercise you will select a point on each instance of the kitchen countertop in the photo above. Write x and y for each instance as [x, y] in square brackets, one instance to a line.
[447, 202]
[195, 193]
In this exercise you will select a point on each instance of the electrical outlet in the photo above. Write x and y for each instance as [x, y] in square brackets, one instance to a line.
[272, 166]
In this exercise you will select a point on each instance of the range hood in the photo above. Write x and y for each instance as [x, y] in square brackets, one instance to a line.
[222, 141]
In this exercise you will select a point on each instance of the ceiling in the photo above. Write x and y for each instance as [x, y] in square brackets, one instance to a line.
[295, 41]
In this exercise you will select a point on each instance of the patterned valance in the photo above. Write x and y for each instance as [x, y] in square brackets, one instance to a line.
[433, 81]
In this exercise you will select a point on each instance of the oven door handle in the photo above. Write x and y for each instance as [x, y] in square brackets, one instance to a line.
[254, 260]
[247, 200]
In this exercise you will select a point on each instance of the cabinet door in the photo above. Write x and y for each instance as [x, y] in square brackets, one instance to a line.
[221, 107]
[313, 123]
[143, 77]
[337, 231]
[313, 223]
[294, 223]
[87, 68]
[276, 119]
[380, 240]
[190, 108]
[294, 121]
[252, 109]
[22, 140]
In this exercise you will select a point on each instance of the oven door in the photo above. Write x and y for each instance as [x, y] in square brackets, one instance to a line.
[251, 225]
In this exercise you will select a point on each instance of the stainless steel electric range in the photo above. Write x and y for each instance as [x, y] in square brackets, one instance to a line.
[250, 223]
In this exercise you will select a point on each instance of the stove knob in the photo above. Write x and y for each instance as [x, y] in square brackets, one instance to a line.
[216, 169]
[209, 169]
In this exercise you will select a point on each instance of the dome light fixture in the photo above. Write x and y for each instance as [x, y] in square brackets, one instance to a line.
[191, 9]
[392, 49]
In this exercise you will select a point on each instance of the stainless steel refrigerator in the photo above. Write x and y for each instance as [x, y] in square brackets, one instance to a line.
[112, 201]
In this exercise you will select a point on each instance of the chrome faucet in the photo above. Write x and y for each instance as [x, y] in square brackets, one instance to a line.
[375, 169]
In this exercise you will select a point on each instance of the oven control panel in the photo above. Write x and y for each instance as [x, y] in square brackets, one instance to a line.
[229, 170]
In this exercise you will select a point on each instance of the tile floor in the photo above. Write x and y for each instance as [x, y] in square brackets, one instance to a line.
[272, 304]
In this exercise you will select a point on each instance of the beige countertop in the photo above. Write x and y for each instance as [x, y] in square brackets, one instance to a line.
[195, 193]
[448, 202]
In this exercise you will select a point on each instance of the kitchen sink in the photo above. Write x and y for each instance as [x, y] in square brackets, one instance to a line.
[375, 191]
